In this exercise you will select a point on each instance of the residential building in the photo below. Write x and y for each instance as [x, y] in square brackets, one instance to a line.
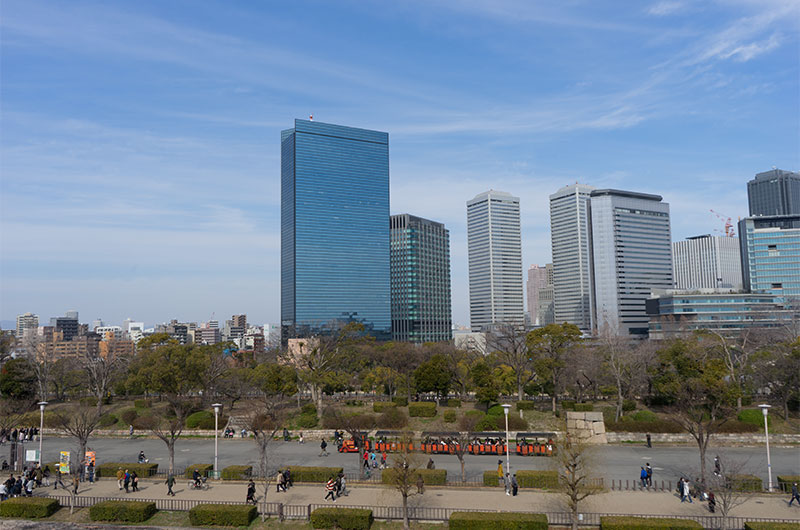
[239, 321]
[109, 332]
[770, 247]
[206, 335]
[97, 323]
[539, 302]
[728, 312]
[774, 192]
[420, 279]
[707, 262]
[495, 260]
[134, 330]
[68, 326]
[27, 324]
[334, 229]
[569, 234]
[631, 256]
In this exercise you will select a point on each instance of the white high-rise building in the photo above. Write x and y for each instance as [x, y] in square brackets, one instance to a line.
[707, 262]
[631, 256]
[539, 279]
[26, 323]
[569, 233]
[495, 260]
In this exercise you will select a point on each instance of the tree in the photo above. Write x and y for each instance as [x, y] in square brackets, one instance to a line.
[696, 386]
[79, 422]
[434, 375]
[728, 491]
[7, 342]
[486, 388]
[65, 378]
[101, 372]
[510, 344]
[18, 380]
[404, 474]
[356, 425]
[381, 378]
[458, 446]
[618, 359]
[778, 369]
[550, 346]
[735, 353]
[41, 359]
[573, 459]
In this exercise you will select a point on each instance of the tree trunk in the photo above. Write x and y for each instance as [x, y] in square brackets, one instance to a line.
[785, 410]
[618, 412]
[360, 458]
[575, 517]
[405, 512]
[171, 447]
[702, 444]
[739, 403]
[553, 398]
[463, 471]
[81, 457]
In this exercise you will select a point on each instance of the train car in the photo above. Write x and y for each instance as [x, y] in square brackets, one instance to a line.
[535, 443]
[439, 443]
[487, 443]
[392, 441]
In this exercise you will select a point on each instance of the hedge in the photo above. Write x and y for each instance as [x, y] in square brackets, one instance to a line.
[455, 403]
[129, 415]
[526, 478]
[754, 416]
[490, 478]
[109, 469]
[381, 406]
[222, 514]
[89, 401]
[202, 419]
[306, 421]
[526, 405]
[753, 525]
[644, 523]
[202, 468]
[431, 477]
[568, 405]
[344, 518]
[497, 521]
[313, 473]
[449, 416]
[785, 482]
[28, 507]
[237, 472]
[392, 418]
[122, 511]
[644, 416]
[142, 403]
[583, 407]
[424, 409]
[628, 405]
[746, 483]
[401, 401]
[107, 420]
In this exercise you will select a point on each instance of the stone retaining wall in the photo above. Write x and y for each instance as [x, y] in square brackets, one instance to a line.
[725, 439]
[588, 427]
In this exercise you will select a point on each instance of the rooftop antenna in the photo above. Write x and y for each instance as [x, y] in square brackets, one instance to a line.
[310, 117]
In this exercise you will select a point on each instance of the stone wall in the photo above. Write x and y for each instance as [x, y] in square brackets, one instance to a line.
[588, 427]
[721, 439]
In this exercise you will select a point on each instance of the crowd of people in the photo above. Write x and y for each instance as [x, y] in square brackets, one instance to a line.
[335, 487]
[22, 434]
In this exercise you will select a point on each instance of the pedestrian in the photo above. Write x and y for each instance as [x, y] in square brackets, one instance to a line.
[251, 492]
[366, 460]
[170, 482]
[795, 495]
[649, 474]
[500, 472]
[281, 483]
[420, 484]
[126, 481]
[330, 487]
[342, 485]
[649, 444]
[38, 474]
[687, 490]
[90, 471]
[301, 438]
[712, 502]
[323, 446]
[244, 432]
[29, 487]
[643, 477]
[120, 478]
[75, 481]
[285, 434]
[717, 466]
[287, 475]
[130, 431]
[46, 475]
[383, 460]
[507, 484]
[135, 481]
[514, 485]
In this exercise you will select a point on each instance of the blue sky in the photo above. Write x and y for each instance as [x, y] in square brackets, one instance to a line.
[140, 140]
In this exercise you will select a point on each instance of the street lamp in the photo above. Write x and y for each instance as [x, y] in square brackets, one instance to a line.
[765, 410]
[506, 408]
[216, 406]
[42, 405]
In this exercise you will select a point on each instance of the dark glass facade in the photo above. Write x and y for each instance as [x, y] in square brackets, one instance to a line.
[420, 277]
[334, 234]
[774, 192]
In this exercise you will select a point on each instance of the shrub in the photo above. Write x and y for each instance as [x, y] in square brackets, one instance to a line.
[487, 423]
[497, 521]
[354, 403]
[383, 406]
[628, 405]
[423, 409]
[142, 403]
[753, 525]
[785, 482]
[644, 523]
[456, 403]
[568, 405]
[401, 401]
[449, 416]
[736, 426]
[629, 425]
[515, 423]
[754, 416]
[129, 416]
[142, 423]
[531, 478]
[109, 469]
[202, 419]
[746, 483]
[583, 407]
[495, 410]
[237, 472]
[470, 420]
[526, 405]
[222, 514]
[202, 468]
[393, 418]
[644, 416]
[306, 421]
[89, 401]
[490, 478]
[431, 477]
[107, 420]
[122, 511]
[308, 408]
[28, 507]
[344, 518]
[317, 474]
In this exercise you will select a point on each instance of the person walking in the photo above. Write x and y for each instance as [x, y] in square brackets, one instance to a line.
[323, 446]
[514, 485]
[130, 431]
[280, 485]
[643, 477]
[712, 502]
[46, 475]
[251, 492]
[420, 484]
[507, 484]
[649, 441]
[75, 482]
[649, 474]
[499, 472]
[342, 486]
[90, 472]
[170, 482]
[120, 478]
[135, 481]
[687, 490]
[717, 466]
[795, 495]
[126, 482]
[287, 476]
[330, 487]
[301, 438]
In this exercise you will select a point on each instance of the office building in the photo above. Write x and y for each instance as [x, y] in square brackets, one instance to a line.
[770, 247]
[495, 260]
[631, 255]
[707, 262]
[27, 324]
[774, 192]
[334, 229]
[68, 326]
[569, 234]
[674, 313]
[540, 294]
[420, 279]
[206, 335]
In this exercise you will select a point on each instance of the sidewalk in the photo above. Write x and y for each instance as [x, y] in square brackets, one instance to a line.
[633, 502]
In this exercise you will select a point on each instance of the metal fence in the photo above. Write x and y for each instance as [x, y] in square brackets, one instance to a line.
[420, 513]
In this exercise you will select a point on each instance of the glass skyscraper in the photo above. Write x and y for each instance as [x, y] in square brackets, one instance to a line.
[420, 277]
[774, 192]
[770, 247]
[334, 229]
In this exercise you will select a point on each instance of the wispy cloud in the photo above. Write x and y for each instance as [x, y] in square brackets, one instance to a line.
[665, 8]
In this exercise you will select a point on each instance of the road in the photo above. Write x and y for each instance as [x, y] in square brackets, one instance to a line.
[610, 461]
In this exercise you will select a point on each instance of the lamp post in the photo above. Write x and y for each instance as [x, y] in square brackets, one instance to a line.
[42, 405]
[506, 408]
[765, 410]
[216, 406]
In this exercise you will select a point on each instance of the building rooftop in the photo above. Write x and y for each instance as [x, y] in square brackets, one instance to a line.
[629, 194]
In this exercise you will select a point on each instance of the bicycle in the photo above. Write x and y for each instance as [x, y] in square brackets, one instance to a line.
[202, 486]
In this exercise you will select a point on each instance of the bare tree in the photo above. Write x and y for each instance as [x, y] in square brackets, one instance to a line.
[101, 372]
[735, 353]
[617, 356]
[727, 485]
[458, 446]
[356, 425]
[264, 422]
[509, 343]
[573, 459]
[41, 357]
[404, 473]
[79, 422]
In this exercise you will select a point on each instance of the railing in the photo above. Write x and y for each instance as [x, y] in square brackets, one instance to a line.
[421, 513]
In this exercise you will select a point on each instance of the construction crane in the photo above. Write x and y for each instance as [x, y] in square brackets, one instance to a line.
[729, 232]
